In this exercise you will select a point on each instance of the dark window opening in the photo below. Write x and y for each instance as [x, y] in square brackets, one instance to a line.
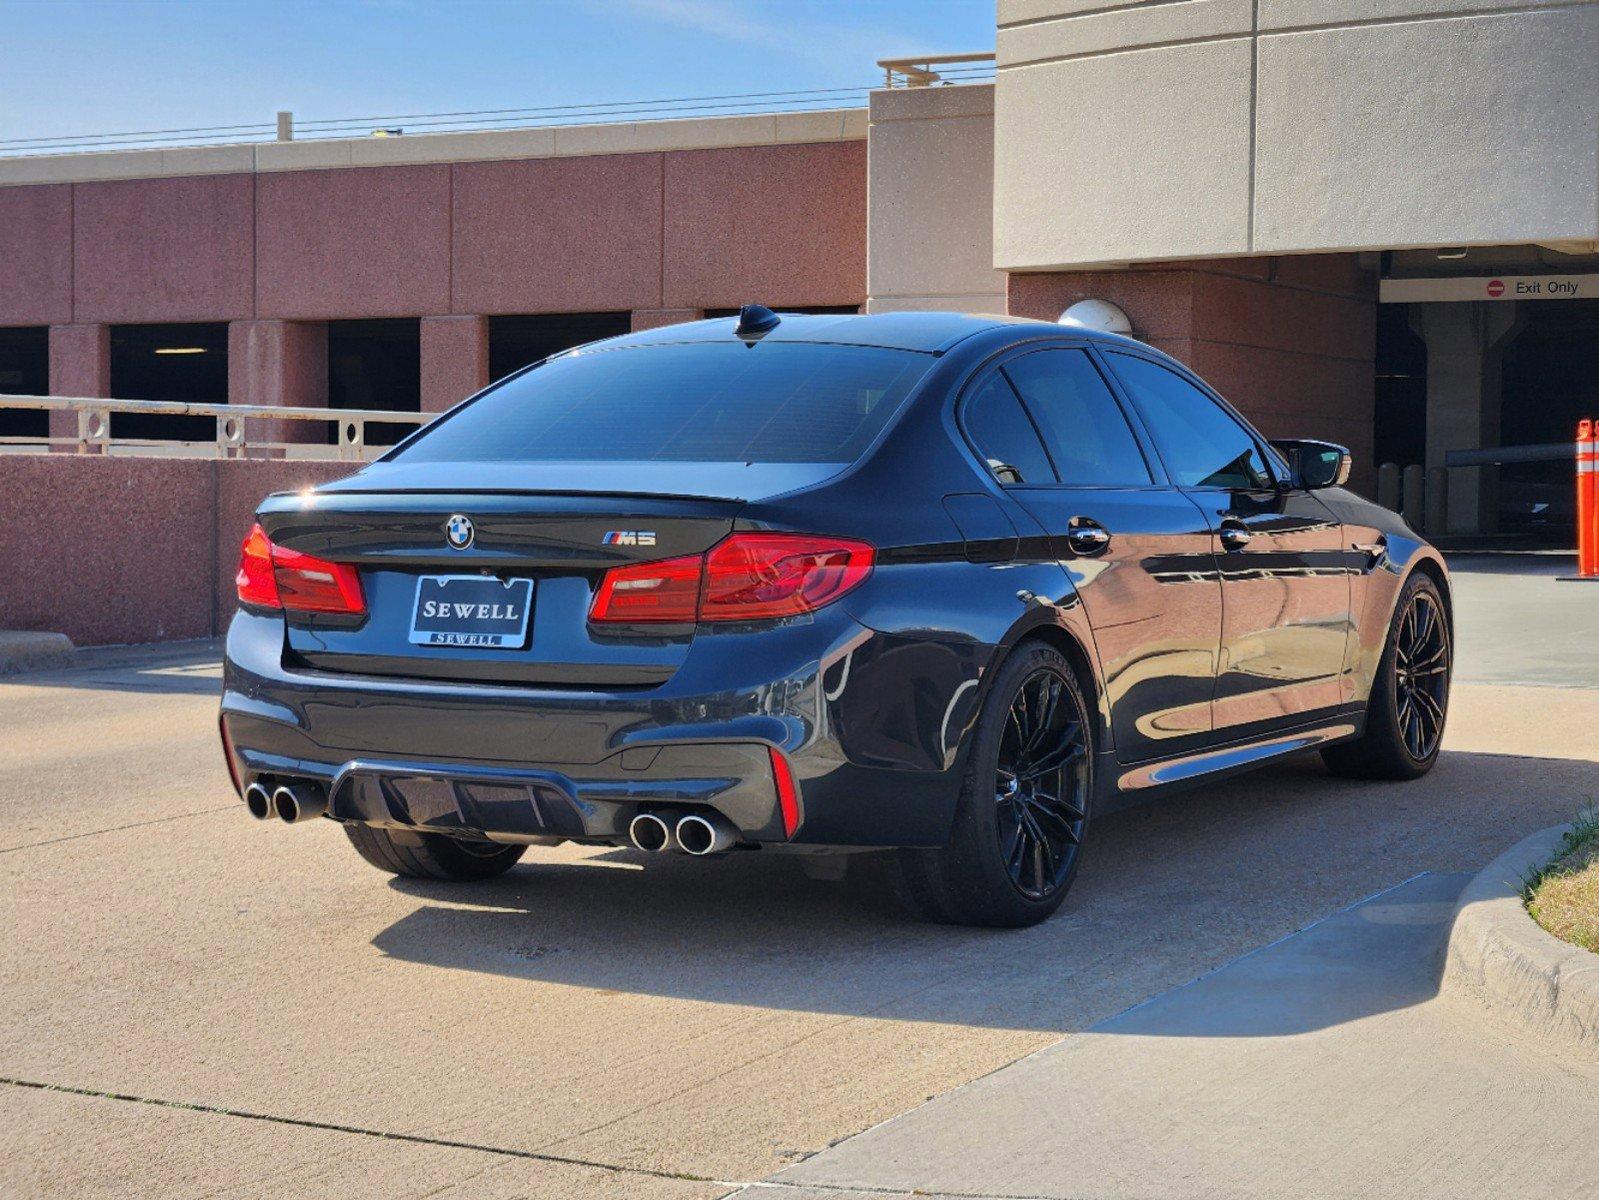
[1399, 433]
[24, 371]
[376, 365]
[722, 401]
[516, 342]
[187, 363]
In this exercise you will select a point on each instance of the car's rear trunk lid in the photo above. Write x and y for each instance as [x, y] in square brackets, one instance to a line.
[562, 543]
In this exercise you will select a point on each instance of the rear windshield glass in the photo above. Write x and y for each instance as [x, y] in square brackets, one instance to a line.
[692, 402]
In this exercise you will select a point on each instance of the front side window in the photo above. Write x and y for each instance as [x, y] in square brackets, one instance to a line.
[774, 402]
[1004, 436]
[1083, 426]
[1203, 445]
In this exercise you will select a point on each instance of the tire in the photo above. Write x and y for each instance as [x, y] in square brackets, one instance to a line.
[993, 871]
[431, 855]
[1409, 701]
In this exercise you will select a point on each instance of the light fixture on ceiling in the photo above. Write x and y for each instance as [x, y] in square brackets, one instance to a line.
[181, 350]
[1451, 253]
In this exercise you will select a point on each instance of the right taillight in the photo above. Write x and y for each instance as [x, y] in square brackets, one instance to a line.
[271, 576]
[745, 577]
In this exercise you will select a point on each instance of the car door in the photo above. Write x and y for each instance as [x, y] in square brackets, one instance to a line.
[1138, 552]
[1285, 585]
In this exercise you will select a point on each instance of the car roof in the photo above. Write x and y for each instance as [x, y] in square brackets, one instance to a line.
[929, 332]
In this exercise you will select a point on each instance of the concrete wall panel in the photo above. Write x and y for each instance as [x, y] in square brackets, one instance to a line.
[930, 163]
[558, 235]
[372, 242]
[36, 255]
[146, 548]
[775, 224]
[1181, 129]
[1470, 130]
[178, 249]
[1123, 156]
[1101, 30]
[455, 360]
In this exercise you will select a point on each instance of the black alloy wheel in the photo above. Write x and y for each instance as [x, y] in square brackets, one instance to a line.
[1025, 803]
[1041, 784]
[1421, 676]
[1409, 697]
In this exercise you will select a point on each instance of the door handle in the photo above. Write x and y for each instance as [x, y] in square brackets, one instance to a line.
[1234, 537]
[1087, 538]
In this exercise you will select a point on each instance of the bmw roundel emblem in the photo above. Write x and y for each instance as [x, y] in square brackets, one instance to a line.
[459, 531]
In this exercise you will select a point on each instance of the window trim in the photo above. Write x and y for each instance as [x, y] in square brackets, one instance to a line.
[1276, 469]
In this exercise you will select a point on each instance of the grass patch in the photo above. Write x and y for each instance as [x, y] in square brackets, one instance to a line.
[1563, 897]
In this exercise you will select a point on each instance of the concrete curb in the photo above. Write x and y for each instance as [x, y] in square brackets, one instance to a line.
[28, 651]
[1500, 957]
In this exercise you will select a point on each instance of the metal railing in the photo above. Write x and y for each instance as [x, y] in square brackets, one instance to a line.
[930, 69]
[233, 440]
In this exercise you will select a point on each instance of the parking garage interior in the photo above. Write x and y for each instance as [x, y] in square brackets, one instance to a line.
[24, 371]
[182, 362]
[517, 341]
[1480, 369]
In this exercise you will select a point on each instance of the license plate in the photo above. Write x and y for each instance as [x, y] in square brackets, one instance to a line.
[471, 610]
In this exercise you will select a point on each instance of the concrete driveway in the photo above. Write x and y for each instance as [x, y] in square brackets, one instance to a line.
[192, 1003]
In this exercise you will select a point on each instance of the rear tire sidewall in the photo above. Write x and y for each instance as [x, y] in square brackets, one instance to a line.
[969, 881]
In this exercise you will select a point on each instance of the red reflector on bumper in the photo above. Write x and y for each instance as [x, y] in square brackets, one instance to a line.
[787, 796]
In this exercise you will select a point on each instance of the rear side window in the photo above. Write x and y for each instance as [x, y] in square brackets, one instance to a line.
[1003, 434]
[1083, 426]
[1203, 445]
[691, 402]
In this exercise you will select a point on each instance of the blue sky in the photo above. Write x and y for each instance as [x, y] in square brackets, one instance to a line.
[90, 66]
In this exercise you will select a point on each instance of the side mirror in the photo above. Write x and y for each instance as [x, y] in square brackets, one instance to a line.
[1316, 464]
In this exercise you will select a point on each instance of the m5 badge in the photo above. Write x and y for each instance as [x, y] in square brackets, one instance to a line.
[629, 537]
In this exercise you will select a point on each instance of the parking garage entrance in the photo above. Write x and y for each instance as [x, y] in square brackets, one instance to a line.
[1465, 372]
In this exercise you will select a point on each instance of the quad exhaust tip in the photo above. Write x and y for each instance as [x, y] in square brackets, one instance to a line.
[702, 835]
[294, 803]
[650, 832]
[259, 801]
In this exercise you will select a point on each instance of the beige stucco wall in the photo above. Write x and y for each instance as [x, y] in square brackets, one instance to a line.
[930, 194]
[1194, 128]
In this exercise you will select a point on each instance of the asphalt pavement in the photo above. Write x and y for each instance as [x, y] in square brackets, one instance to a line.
[193, 1003]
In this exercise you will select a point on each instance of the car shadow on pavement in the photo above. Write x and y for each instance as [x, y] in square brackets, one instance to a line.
[1166, 894]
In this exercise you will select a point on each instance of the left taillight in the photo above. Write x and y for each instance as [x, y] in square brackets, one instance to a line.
[271, 576]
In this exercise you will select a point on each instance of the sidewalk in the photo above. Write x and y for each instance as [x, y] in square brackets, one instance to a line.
[1321, 1065]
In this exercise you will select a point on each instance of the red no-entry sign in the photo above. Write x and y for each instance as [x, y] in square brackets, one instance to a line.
[1496, 288]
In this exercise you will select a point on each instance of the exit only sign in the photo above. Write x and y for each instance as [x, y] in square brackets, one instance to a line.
[1489, 287]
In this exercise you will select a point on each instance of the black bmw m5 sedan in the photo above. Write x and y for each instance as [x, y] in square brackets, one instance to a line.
[946, 586]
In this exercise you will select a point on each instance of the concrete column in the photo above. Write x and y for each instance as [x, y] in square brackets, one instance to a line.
[1465, 352]
[455, 360]
[283, 364]
[654, 318]
[80, 365]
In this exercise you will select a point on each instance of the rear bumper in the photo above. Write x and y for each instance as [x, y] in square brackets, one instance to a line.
[872, 727]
